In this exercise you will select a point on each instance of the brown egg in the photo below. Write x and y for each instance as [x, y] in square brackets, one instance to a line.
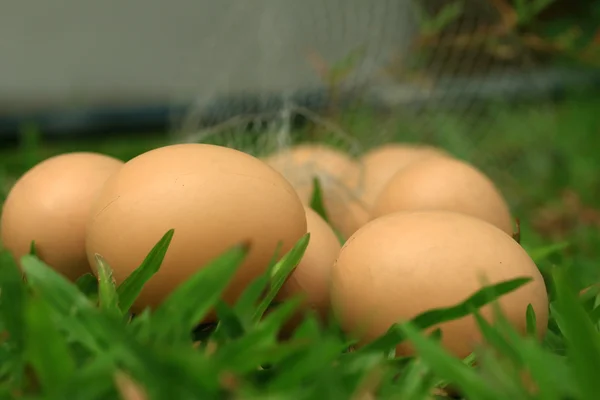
[444, 183]
[50, 203]
[213, 197]
[311, 277]
[401, 265]
[381, 163]
[338, 174]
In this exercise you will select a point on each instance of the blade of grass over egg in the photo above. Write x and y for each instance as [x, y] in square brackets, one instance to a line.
[88, 285]
[259, 346]
[447, 366]
[583, 340]
[192, 300]
[495, 338]
[47, 351]
[280, 273]
[531, 320]
[229, 326]
[12, 299]
[131, 287]
[429, 318]
[247, 302]
[32, 249]
[107, 289]
[316, 200]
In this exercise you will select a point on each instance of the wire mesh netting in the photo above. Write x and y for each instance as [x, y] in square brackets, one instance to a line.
[437, 72]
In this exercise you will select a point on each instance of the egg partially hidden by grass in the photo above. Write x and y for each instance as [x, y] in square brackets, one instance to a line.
[444, 183]
[213, 197]
[403, 264]
[50, 203]
[381, 163]
[310, 279]
[338, 174]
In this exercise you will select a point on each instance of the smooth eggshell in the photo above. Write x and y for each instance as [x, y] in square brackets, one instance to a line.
[444, 183]
[50, 203]
[213, 197]
[311, 277]
[338, 174]
[400, 265]
[381, 163]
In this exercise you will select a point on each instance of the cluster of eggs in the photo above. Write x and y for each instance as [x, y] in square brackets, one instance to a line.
[422, 228]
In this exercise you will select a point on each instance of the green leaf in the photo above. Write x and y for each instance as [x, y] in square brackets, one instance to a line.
[495, 338]
[107, 288]
[531, 319]
[66, 302]
[416, 381]
[258, 346]
[316, 202]
[131, 287]
[434, 317]
[229, 324]
[32, 249]
[88, 285]
[542, 253]
[12, 299]
[193, 299]
[280, 273]
[447, 366]
[301, 366]
[583, 340]
[552, 375]
[247, 302]
[47, 350]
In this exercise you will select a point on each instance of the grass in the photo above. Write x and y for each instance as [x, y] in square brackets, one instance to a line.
[64, 340]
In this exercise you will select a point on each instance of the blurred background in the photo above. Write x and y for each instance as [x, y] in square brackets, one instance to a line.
[513, 86]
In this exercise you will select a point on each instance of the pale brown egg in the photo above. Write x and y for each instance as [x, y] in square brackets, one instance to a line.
[310, 279]
[338, 174]
[381, 163]
[403, 264]
[213, 197]
[444, 183]
[50, 203]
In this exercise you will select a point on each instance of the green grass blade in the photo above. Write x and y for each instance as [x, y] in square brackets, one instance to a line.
[583, 340]
[65, 300]
[316, 200]
[107, 288]
[32, 248]
[280, 273]
[434, 317]
[542, 253]
[447, 366]
[229, 326]
[12, 299]
[416, 381]
[131, 287]
[242, 355]
[247, 302]
[88, 285]
[193, 299]
[494, 337]
[551, 374]
[47, 350]
[295, 370]
[531, 320]
[64, 294]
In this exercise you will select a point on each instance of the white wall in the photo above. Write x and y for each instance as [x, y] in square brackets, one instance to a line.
[80, 52]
